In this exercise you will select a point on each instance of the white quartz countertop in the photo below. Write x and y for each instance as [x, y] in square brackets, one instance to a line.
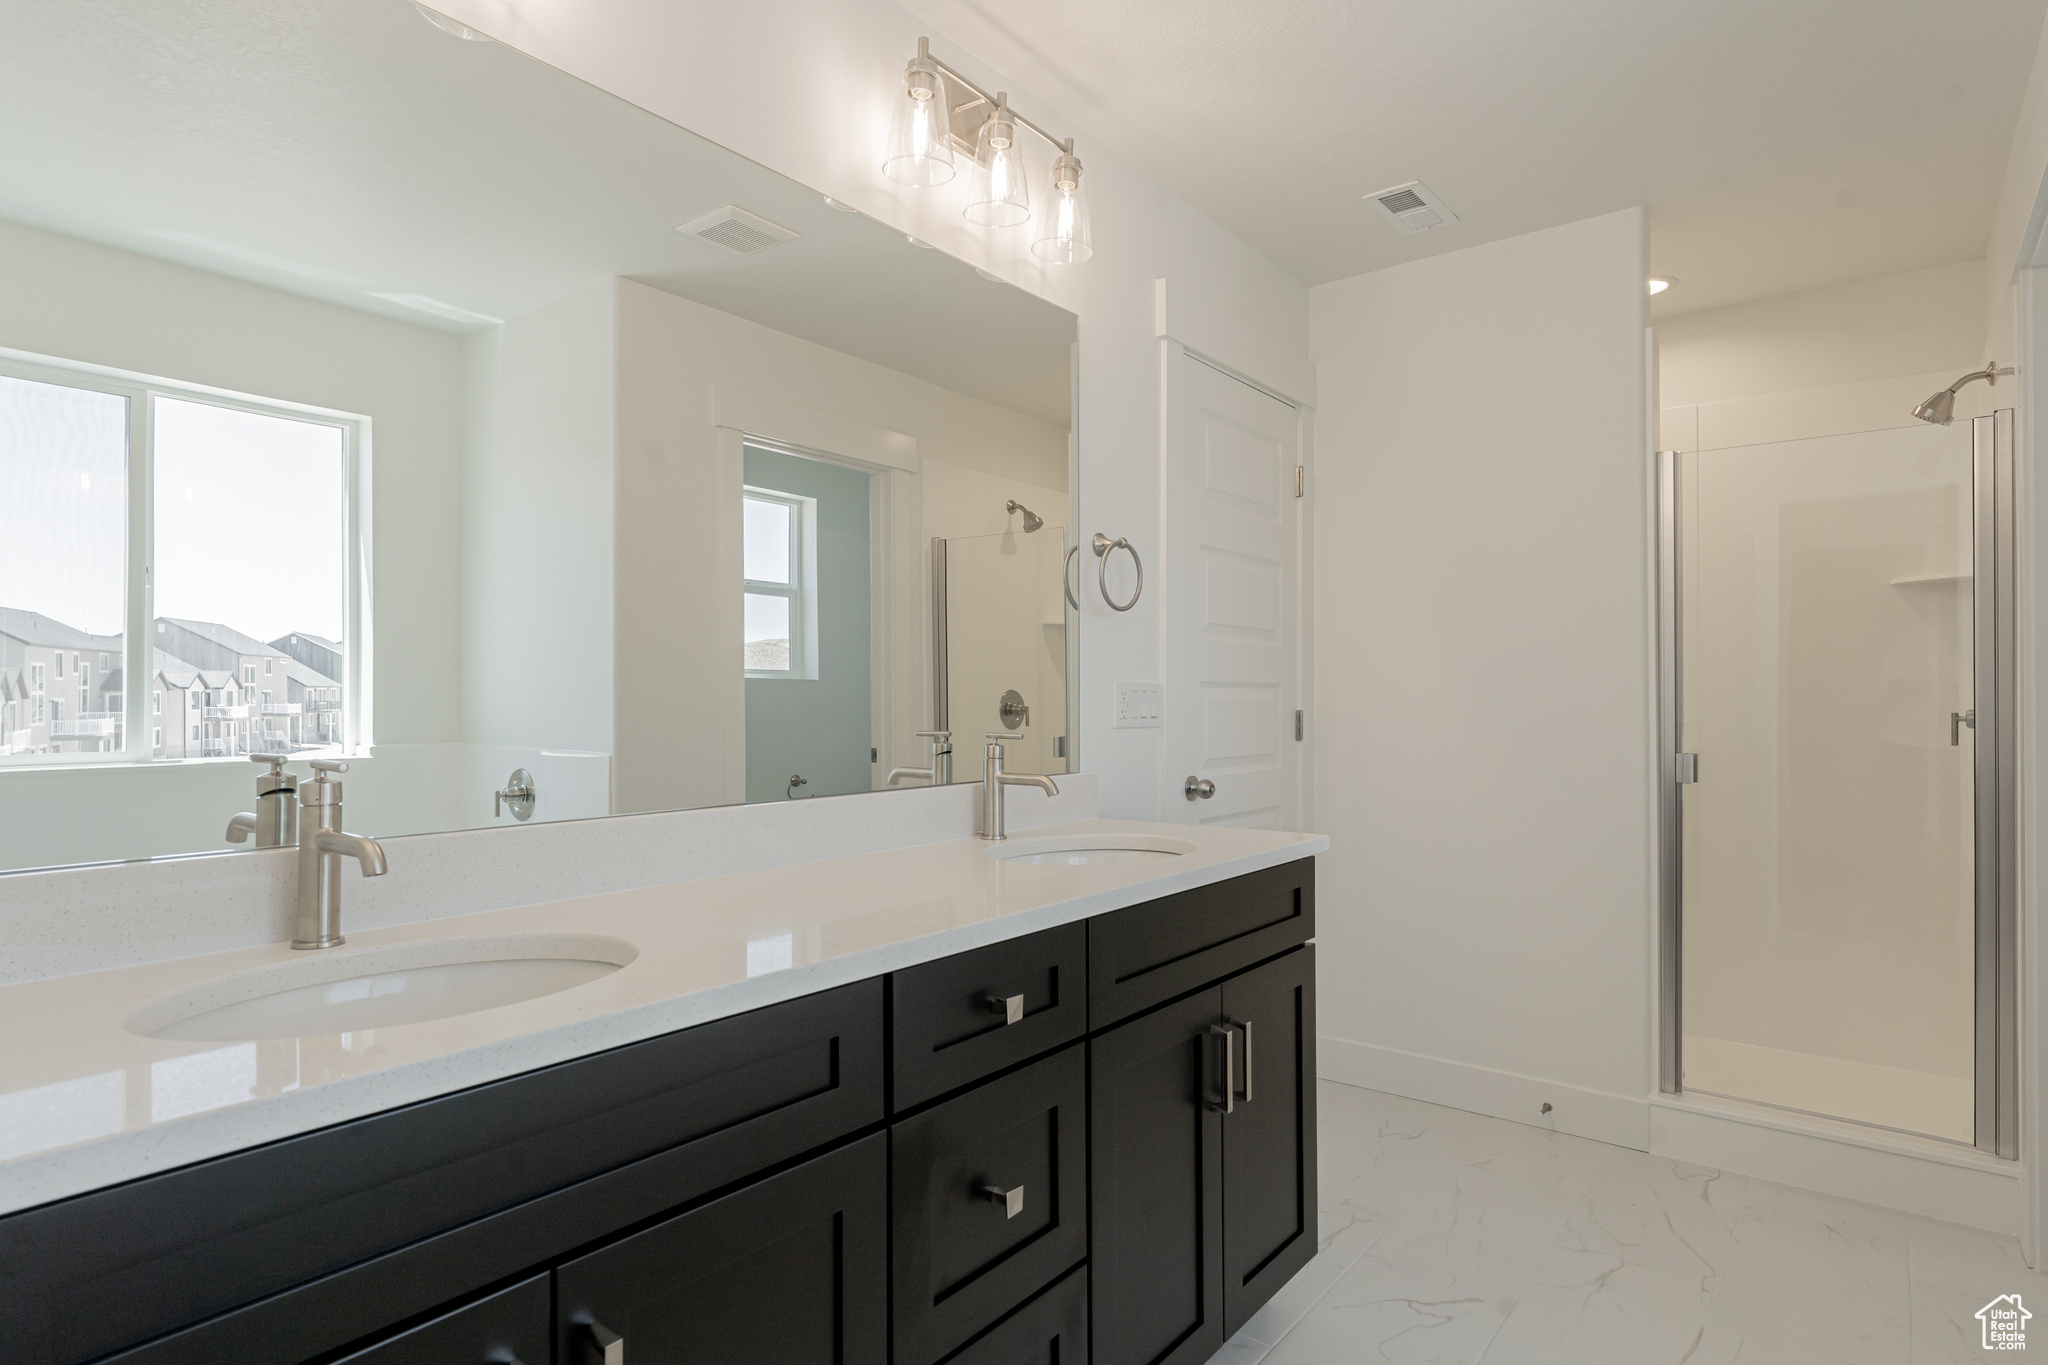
[85, 1103]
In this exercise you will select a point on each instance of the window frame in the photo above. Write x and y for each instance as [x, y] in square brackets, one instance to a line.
[138, 643]
[801, 590]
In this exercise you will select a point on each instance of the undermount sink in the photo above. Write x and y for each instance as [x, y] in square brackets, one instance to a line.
[347, 990]
[1090, 850]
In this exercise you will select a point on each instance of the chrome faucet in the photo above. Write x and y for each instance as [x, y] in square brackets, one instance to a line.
[275, 821]
[994, 779]
[940, 773]
[322, 846]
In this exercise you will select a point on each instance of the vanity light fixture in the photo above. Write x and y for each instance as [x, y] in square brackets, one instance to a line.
[1660, 283]
[447, 25]
[928, 128]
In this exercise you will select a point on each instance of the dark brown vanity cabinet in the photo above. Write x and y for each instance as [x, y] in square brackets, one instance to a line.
[989, 1202]
[1203, 1160]
[1090, 1143]
[793, 1269]
[510, 1325]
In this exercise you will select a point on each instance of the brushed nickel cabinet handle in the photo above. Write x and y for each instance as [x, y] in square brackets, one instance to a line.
[1011, 1200]
[602, 1346]
[1011, 1007]
[1246, 1025]
[1229, 1104]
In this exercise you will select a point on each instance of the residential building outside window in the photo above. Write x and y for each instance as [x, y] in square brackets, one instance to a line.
[73, 562]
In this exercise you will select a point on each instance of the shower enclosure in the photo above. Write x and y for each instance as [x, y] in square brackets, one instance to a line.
[1002, 648]
[1838, 901]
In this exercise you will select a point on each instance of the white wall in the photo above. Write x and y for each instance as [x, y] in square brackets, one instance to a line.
[1485, 756]
[838, 66]
[75, 300]
[537, 527]
[1917, 322]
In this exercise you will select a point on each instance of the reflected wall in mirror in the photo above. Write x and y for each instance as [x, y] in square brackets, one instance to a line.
[372, 394]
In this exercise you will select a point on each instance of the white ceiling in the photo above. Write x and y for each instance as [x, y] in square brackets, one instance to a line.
[1778, 144]
[347, 150]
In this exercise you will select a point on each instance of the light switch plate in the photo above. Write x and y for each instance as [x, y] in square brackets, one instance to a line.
[1137, 705]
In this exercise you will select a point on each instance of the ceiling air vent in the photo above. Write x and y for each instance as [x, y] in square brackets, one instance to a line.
[1412, 207]
[734, 229]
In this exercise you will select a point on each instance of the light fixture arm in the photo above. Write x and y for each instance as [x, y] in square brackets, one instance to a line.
[924, 50]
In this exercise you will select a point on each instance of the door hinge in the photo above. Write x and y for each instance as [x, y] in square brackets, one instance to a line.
[1686, 770]
[1297, 726]
[874, 755]
[1299, 477]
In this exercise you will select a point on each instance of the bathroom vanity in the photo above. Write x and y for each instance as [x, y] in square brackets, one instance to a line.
[1048, 1110]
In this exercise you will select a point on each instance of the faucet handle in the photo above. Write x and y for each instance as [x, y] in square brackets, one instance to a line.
[326, 765]
[276, 761]
[934, 734]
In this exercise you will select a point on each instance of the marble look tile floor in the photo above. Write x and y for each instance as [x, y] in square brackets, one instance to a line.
[1450, 1238]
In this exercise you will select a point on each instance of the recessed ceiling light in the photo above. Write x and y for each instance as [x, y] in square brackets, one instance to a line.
[830, 202]
[917, 241]
[447, 25]
[1660, 283]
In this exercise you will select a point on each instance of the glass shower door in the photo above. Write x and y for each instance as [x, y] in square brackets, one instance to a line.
[1830, 916]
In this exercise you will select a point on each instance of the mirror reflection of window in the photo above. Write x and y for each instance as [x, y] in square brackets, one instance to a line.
[222, 474]
[770, 546]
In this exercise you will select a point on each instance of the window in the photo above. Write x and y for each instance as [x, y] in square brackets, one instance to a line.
[156, 706]
[266, 671]
[777, 539]
[73, 560]
[156, 739]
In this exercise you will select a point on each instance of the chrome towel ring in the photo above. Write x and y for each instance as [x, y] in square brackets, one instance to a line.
[1103, 545]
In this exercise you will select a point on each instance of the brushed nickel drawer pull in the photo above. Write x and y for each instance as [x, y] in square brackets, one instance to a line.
[1011, 1200]
[1011, 1007]
[1229, 1104]
[602, 1346]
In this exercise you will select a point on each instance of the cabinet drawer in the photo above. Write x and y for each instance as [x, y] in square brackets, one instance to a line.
[1147, 954]
[951, 1020]
[289, 1250]
[792, 1270]
[511, 1324]
[1050, 1330]
[963, 1257]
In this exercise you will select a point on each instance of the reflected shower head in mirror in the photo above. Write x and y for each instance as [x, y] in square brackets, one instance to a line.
[1032, 521]
[1940, 407]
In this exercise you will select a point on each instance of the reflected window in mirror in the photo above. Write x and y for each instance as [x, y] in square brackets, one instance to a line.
[240, 561]
[773, 529]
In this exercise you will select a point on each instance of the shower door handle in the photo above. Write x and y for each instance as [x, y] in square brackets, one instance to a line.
[1956, 721]
[1686, 771]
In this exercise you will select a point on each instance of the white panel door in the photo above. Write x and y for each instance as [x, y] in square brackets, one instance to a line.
[1230, 661]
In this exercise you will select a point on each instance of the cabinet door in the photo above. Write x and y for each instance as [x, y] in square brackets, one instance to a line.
[964, 1256]
[1050, 1330]
[1156, 1163]
[1269, 1133]
[510, 1325]
[793, 1270]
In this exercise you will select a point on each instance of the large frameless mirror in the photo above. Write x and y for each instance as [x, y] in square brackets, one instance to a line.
[375, 395]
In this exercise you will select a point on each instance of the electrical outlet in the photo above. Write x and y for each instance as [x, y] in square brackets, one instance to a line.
[1137, 705]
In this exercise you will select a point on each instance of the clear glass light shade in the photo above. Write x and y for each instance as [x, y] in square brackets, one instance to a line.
[919, 153]
[996, 196]
[1062, 236]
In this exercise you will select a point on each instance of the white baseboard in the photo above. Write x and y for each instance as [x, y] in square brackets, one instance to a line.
[1896, 1171]
[1598, 1114]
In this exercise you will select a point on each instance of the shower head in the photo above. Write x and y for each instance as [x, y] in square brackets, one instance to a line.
[1032, 521]
[1940, 407]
